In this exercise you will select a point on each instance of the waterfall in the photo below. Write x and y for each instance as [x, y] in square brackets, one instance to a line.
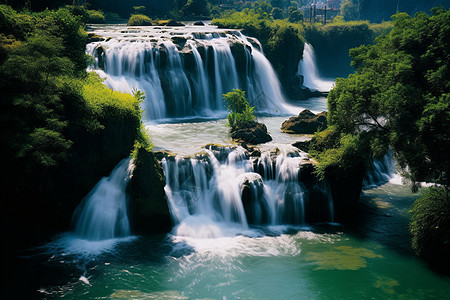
[307, 67]
[102, 214]
[219, 193]
[184, 73]
[380, 171]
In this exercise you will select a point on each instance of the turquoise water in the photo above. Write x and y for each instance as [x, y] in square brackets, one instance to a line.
[368, 260]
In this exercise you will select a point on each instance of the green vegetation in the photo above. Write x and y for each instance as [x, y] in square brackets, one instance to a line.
[241, 113]
[398, 98]
[332, 42]
[87, 15]
[139, 20]
[62, 128]
[430, 226]
[242, 120]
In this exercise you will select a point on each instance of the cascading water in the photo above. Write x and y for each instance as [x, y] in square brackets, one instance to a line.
[381, 171]
[102, 214]
[184, 72]
[220, 193]
[307, 67]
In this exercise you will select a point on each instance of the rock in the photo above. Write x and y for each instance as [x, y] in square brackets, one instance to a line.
[307, 174]
[252, 189]
[199, 23]
[148, 209]
[345, 186]
[302, 145]
[179, 40]
[92, 37]
[305, 123]
[253, 134]
[174, 23]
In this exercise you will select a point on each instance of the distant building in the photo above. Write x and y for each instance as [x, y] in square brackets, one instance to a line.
[334, 4]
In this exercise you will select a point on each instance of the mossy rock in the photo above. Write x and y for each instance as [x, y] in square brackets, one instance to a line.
[305, 123]
[174, 23]
[148, 207]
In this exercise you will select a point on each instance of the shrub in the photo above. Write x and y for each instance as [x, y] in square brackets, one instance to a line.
[95, 17]
[430, 226]
[139, 20]
[241, 113]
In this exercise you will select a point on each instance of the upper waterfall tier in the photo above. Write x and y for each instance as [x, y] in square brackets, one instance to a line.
[186, 70]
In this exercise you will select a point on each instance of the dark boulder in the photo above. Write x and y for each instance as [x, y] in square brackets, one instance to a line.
[255, 133]
[199, 23]
[302, 145]
[252, 190]
[305, 123]
[148, 209]
[174, 23]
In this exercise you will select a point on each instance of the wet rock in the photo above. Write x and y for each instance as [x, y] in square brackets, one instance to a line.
[92, 37]
[302, 145]
[254, 134]
[148, 209]
[305, 123]
[252, 190]
[174, 23]
[199, 23]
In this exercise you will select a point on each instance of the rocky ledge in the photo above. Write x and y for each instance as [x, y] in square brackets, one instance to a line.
[305, 123]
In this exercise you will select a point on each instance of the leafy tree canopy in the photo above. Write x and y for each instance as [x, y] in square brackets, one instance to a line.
[399, 96]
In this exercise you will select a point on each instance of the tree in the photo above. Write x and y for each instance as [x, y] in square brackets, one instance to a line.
[277, 13]
[400, 95]
[241, 113]
[350, 10]
[196, 8]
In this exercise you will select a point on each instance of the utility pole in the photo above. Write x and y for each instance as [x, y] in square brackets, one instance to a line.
[325, 15]
[314, 16]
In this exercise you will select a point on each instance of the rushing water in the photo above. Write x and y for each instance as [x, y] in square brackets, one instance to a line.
[185, 71]
[311, 77]
[370, 259]
[219, 248]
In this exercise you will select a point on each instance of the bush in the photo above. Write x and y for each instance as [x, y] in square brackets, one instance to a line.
[139, 20]
[241, 113]
[430, 226]
[95, 17]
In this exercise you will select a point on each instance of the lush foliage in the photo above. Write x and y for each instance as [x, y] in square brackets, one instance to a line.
[381, 10]
[87, 15]
[139, 20]
[333, 41]
[430, 226]
[241, 113]
[62, 128]
[400, 95]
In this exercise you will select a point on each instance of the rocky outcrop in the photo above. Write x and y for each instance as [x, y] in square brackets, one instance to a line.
[305, 123]
[302, 145]
[345, 185]
[148, 209]
[252, 189]
[254, 134]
